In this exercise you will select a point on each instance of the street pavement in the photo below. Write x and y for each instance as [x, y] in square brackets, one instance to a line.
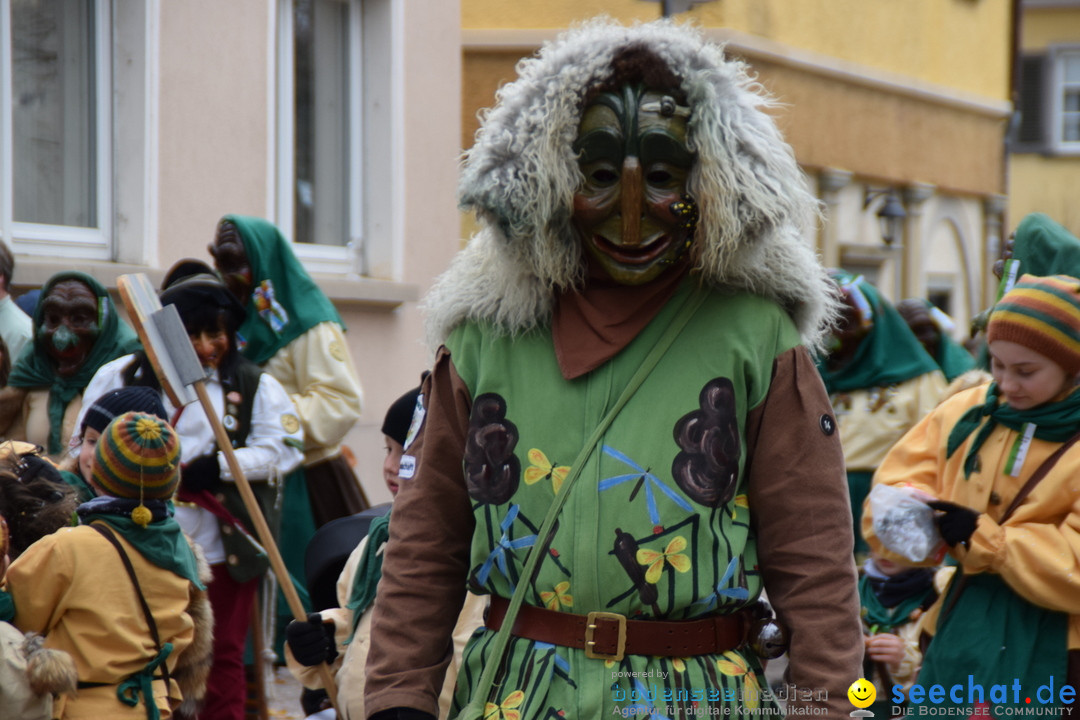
[284, 696]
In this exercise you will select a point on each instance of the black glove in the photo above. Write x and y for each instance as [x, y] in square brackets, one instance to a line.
[402, 713]
[956, 522]
[311, 641]
[202, 473]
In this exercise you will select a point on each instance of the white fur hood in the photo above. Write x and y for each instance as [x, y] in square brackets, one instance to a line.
[521, 175]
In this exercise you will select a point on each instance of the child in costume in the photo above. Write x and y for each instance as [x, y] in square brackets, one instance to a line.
[997, 464]
[341, 635]
[894, 598]
[632, 195]
[30, 675]
[122, 593]
[262, 425]
[880, 380]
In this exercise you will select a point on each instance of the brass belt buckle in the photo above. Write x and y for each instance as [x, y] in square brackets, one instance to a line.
[590, 630]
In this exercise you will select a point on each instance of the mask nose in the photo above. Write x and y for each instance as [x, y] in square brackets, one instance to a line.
[63, 338]
[631, 201]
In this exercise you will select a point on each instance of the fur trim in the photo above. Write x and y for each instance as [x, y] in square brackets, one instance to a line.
[521, 174]
[193, 666]
[48, 670]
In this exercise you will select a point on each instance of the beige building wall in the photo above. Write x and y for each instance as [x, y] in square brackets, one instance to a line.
[210, 120]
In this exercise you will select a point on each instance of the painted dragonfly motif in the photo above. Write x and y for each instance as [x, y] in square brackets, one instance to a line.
[737, 593]
[642, 478]
[497, 557]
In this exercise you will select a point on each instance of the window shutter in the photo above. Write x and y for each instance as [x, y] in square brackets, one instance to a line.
[1032, 103]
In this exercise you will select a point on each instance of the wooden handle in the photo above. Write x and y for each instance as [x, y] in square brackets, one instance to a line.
[261, 528]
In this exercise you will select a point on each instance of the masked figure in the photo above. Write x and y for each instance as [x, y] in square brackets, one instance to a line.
[881, 382]
[634, 199]
[931, 327]
[76, 331]
[294, 332]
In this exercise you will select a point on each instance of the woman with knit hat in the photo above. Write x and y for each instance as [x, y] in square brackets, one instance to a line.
[122, 593]
[998, 466]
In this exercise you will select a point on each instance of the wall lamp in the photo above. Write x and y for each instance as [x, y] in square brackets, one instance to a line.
[890, 215]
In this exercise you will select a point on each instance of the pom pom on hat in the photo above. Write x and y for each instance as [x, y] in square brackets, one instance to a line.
[1042, 314]
[137, 457]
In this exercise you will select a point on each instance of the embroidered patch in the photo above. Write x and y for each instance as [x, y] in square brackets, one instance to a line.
[290, 422]
[268, 308]
[337, 350]
[828, 425]
[407, 468]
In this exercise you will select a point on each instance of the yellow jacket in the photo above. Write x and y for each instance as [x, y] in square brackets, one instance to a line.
[1037, 550]
[72, 587]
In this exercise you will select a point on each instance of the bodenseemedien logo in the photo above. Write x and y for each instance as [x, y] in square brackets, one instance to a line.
[862, 695]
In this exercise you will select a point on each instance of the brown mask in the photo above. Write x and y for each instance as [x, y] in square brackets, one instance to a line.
[231, 261]
[69, 325]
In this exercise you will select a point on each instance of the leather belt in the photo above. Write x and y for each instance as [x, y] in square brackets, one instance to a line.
[610, 636]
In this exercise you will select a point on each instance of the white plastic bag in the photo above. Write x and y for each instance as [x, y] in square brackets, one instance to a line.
[904, 523]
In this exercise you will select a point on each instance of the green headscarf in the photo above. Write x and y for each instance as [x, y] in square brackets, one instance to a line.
[1044, 248]
[35, 369]
[285, 302]
[953, 359]
[890, 353]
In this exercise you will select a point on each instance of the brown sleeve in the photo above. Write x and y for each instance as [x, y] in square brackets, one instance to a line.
[426, 560]
[802, 517]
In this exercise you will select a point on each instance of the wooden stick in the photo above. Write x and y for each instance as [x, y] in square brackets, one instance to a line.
[258, 649]
[261, 528]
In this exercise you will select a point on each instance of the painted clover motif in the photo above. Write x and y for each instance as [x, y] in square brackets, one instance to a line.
[492, 471]
[707, 469]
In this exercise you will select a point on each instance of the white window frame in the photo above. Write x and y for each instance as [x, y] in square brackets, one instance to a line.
[337, 260]
[60, 240]
[1055, 92]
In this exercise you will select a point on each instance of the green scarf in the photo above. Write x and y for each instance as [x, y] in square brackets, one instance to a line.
[285, 302]
[1054, 422]
[36, 370]
[886, 619]
[161, 542]
[953, 359]
[369, 570]
[889, 354]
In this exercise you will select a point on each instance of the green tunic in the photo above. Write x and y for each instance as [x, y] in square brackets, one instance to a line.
[658, 524]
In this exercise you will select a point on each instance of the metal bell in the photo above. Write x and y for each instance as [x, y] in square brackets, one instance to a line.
[768, 638]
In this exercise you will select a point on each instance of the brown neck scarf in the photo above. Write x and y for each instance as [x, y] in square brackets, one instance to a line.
[590, 326]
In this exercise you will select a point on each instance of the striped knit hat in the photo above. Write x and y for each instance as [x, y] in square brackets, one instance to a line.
[1042, 314]
[137, 456]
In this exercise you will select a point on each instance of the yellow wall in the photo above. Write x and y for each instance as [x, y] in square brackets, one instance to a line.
[1045, 27]
[955, 43]
[1044, 184]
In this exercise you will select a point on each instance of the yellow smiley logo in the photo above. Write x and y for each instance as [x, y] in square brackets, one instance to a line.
[861, 693]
